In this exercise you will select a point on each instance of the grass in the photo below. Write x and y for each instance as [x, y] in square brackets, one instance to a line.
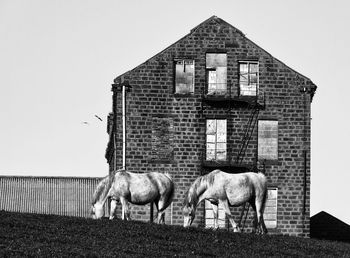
[57, 236]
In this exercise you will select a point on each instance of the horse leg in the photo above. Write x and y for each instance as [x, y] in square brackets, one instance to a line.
[161, 217]
[215, 212]
[255, 219]
[230, 217]
[162, 202]
[125, 209]
[260, 217]
[160, 209]
[112, 209]
[264, 229]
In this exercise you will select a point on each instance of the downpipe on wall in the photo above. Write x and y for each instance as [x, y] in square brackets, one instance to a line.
[124, 125]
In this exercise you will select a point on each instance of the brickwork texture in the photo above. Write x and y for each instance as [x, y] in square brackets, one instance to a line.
[166, 132]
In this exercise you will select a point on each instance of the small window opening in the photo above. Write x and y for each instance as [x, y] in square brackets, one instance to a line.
[216, 140]
[248, 78]
[184, 76]
[216, 70]
[268, 140]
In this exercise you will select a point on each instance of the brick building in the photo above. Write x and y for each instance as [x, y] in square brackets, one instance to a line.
[214, 99]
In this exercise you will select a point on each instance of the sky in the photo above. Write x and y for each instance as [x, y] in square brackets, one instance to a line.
[59, 58]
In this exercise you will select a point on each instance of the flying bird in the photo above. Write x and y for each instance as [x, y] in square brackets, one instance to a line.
[85, 123]
[99, 118]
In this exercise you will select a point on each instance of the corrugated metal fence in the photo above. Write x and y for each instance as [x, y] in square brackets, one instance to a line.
[69, 196]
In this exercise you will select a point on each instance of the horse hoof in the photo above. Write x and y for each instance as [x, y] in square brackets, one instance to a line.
[237, 230]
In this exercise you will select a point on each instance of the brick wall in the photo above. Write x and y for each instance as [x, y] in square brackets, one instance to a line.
[151, 100]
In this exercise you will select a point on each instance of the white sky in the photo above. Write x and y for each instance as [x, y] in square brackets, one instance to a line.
[59, 58]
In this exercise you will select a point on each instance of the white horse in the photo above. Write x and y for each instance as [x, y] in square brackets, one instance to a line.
[134, 188]
[229, 190]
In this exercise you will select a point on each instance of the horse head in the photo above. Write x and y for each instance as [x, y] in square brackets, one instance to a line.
[190, 202]
[100, 196]
[189, 208]
[189, 214]
[97, 211]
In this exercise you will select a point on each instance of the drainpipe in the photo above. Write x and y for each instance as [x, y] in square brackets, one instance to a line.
[114, 152]
[124, 125]
[305, 91]
[114, 127]
[304, 152]
[124, 88]
[305, 185]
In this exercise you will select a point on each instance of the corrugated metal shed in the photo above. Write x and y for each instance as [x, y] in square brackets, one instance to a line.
[69, 196]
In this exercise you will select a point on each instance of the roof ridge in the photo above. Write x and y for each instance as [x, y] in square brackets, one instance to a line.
[213, 17]
[218, 20]
[203, 22]
[322, 213]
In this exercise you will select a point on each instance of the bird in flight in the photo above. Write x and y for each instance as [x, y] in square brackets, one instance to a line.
[99, 118]
[88, 123]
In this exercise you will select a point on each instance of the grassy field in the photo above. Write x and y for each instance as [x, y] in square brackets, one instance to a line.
[48, 235]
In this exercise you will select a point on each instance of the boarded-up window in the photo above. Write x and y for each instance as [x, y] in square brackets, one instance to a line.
[248, 78]
[270, 212]
[216, 139]
[184, 76]
[268, 140]
[162, 139]
[216, 67]
[209, 216]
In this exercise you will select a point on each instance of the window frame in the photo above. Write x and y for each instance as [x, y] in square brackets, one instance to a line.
[267, 220]
[216, 141]
[260, 156]
[256, 90]
[175, 90]
[209, 69]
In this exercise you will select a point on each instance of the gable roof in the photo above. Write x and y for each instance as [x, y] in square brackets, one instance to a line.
[219, 21]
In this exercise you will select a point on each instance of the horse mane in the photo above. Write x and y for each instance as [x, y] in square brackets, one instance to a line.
[167, 175]
[198, 186]
[102, 188]
[191, 196]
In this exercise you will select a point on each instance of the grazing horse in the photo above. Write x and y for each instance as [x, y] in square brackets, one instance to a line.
[139, 189]
[229, 190]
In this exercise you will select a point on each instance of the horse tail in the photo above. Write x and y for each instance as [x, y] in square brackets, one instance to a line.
[264, 199]
[265, 191]
[170, 196]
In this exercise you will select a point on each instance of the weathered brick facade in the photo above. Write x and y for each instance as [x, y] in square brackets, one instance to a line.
[166, 131]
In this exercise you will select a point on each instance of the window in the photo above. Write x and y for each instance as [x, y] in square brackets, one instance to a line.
[209, 216]
[268, 140]
[184, 76]
[216, 139]
[270, 212]
[248, 78]
[216, 69]
[162, 139]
